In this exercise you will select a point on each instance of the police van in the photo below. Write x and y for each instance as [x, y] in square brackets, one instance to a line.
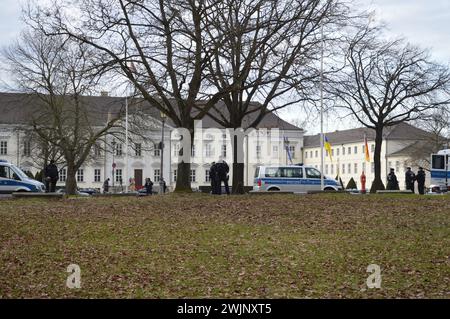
[440, 172]
[292, 178]
[13, 179]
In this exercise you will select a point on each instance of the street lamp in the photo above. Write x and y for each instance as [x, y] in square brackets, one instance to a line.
[113, 143]
[161, 174]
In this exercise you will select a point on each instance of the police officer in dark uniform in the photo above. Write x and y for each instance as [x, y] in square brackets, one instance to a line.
[51, 177]
[421, 181]
[410, 178]
[392, 184]
[148, 186]
[222, 172]
[213, 178]
[106, 186]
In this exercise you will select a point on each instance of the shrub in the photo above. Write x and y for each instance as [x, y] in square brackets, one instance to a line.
[352, 184]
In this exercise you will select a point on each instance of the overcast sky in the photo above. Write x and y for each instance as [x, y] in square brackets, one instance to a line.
[422, 22]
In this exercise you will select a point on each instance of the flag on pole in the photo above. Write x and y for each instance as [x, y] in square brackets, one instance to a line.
[288, 152]
[328, 148]
[366, 149]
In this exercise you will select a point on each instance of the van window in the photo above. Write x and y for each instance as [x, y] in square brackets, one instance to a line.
[438, 162]
[293, 172]
[312, 173]
[7, 172]
[273, 172]
[257, 172]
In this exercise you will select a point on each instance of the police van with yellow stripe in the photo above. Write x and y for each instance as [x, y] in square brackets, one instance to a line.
[292, 178]
[13, 179]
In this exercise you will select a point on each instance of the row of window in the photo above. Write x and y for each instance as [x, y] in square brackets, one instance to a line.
[118, 150]
[118, 173]
[26, 148]
[345, 150]
[209, 150]
[353, 168]
[348, 168]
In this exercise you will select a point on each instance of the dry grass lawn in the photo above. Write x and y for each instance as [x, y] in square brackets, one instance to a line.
[178, 246]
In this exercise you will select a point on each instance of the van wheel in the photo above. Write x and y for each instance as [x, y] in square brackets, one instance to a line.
[329, 189]
[274, 190]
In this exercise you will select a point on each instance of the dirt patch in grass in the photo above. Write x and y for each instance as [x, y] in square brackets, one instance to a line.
[195, 245]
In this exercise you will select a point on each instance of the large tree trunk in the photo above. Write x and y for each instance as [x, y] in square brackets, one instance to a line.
[377, 183]
[71, 181]
[238, 168]
[183, 178]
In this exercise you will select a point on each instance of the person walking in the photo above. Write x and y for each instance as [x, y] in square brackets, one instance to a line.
[148, 186]
[51, 177]
[222, 172]
[410, 178]
[106, 186]
[421, 181]
[392, 184]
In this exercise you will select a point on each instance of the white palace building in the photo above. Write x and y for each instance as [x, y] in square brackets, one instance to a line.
[267, 145]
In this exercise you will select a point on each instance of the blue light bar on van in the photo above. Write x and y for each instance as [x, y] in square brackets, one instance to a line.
[3, 161]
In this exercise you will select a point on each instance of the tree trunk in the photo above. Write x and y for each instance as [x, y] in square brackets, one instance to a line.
[377, 183]
[183, 178]
[238, 168]
[71, 181]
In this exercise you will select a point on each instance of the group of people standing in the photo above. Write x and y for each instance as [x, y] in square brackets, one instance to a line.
[218, 173]
[410, 179]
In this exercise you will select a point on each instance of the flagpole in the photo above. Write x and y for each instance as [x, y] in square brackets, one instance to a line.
[126, 142]
[322, 186]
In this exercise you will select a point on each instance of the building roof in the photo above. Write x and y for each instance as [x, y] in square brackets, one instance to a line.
[19, 108]
[403, 131]
[420, 148]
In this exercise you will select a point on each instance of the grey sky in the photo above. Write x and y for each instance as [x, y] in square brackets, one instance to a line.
[422, 22]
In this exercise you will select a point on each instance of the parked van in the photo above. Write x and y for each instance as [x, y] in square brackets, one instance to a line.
[13, 179]
[440, 172]
[293, 178]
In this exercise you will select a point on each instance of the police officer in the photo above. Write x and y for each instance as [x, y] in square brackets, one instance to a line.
[410, 177]
[222, 172]
[213, 178]
[148, 186]
[51, 177]
[106, 186]
[392, 184]
[421, 180]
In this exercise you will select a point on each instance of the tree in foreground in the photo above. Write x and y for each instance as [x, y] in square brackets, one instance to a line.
[385, 83]
[55, 75]
[269, 50]
[161, 47]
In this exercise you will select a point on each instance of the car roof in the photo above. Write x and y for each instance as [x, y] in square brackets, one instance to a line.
[287, 166]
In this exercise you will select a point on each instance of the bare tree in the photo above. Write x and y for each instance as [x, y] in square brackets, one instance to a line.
[159, 46]
[54, 73]
[269, 50]
[385, 83]
[437, 137]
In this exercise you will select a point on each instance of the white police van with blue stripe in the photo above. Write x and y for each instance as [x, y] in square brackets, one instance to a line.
[440, 172]
[13, 179]
[291, 178]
